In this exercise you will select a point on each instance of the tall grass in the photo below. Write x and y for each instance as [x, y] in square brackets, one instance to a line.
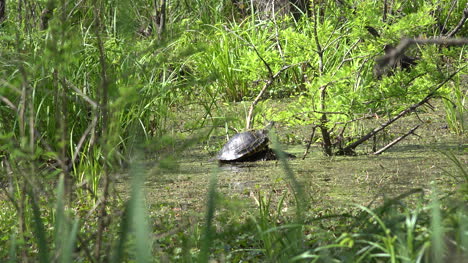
[80, 98]
[208, 230]
[455, 108]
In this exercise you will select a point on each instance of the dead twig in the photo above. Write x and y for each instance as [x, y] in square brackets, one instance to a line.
[91, 127]
[350, 148]
[270, 72]
[270, 81]
[391, 57]
[460, 23]
[391, 144]
[310, 142]
[443, 26]
[85, 134]
[8, 103]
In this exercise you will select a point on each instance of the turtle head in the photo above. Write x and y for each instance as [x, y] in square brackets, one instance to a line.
[270, 125]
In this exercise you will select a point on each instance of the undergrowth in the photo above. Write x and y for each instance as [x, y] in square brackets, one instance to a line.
[89, 90]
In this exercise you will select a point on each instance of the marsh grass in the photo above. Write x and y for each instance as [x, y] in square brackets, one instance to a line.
[455, 108]
[402, 229]
[87, 99]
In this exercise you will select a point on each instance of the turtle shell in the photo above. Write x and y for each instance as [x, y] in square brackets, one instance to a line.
[243, 145]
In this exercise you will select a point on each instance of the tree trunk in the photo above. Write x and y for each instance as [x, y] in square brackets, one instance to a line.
[2, 10]
[162, 19]
[266, 8]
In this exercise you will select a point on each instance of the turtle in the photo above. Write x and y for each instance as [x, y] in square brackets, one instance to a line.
[247, 146]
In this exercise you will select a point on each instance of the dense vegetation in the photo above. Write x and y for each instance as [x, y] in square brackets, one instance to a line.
[90, 89]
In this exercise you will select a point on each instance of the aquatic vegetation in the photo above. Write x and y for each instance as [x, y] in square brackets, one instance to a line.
[109, 111]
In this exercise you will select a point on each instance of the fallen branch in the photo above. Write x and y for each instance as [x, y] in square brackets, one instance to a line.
[394, 54]
[388, 146]
[350, 148]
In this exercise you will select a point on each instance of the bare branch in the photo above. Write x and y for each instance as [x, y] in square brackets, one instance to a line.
[350, 148]
[460, 24]
[9, 103]
[85, 134]
[391, 144]
[447, 17]
[262, 91]
[270, 72]
[393, 54]
[310, 142]
[91, 102]
[315, 34]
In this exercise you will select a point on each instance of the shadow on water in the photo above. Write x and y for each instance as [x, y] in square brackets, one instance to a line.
[446, 146]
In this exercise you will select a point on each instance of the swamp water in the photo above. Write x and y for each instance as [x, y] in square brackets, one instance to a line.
[329, 182]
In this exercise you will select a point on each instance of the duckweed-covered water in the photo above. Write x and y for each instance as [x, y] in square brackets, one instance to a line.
[329, 182]
[336, 182]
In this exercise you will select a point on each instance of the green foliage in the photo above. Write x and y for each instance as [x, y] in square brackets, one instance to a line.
[455, 108]
[81, 97]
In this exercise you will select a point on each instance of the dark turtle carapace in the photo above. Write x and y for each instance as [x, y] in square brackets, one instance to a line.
[246, 146]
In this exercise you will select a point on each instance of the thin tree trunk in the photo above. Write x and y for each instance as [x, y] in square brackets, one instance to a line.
[323, 92]
[162, 19]
[20, 12]
[327, 146]
[104, 111]
[385, 11]
[2, 10]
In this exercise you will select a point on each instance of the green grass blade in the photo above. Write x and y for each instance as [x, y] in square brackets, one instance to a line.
[67, 248]
[39, 230]
[208, 234]
[122, 238]
[12, 254]
[60, 221]
[298, 189]
[143, 244]
[463, 219]
[437, 230]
